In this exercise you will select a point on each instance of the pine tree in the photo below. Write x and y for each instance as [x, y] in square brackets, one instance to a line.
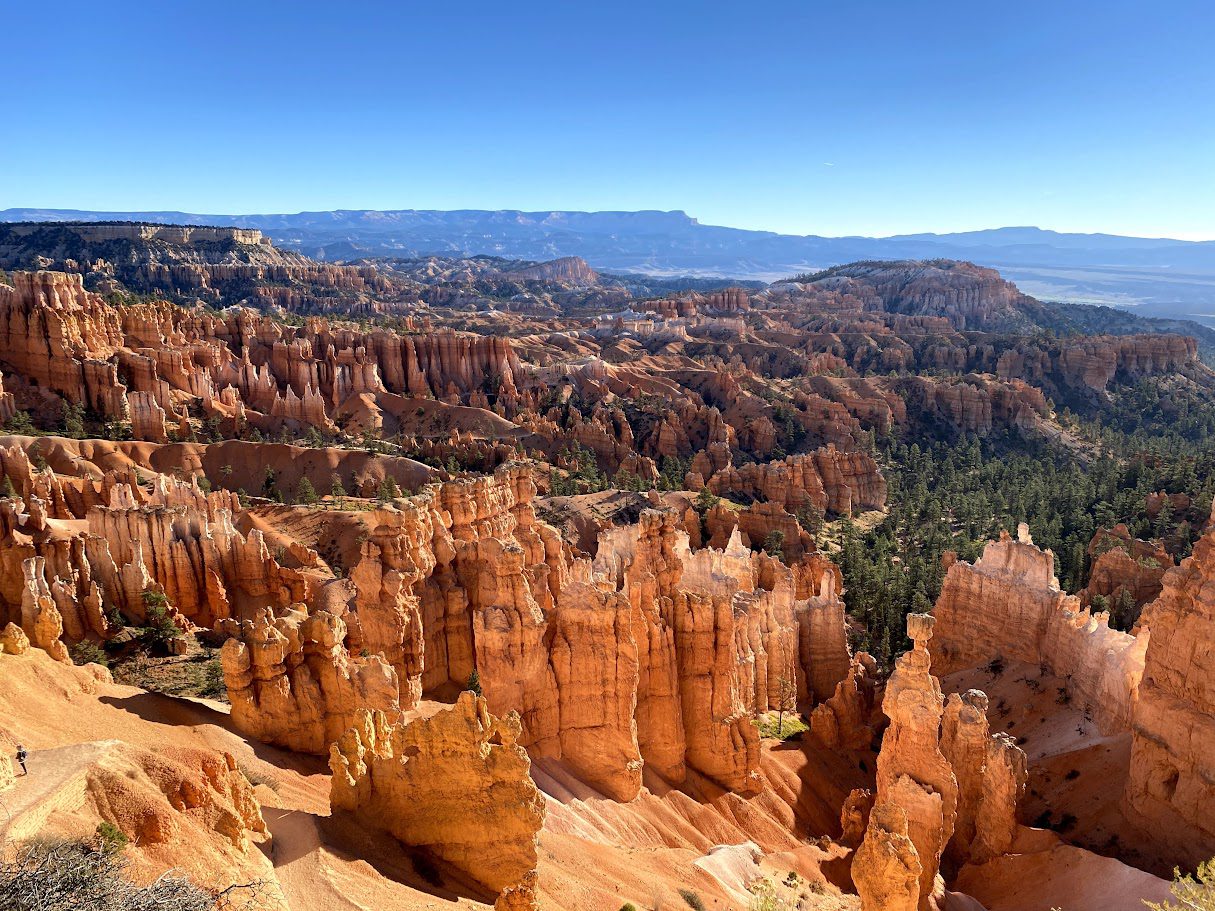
[474, 682]
[305, 492]
[388, 490]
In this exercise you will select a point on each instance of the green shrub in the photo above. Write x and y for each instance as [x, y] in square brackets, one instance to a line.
[692, 899]
[86, 652]
[1195, 893]
[159, 628]
[790, 727]
[211, 684]
[110, 837]
[774, 543]
[474, 682]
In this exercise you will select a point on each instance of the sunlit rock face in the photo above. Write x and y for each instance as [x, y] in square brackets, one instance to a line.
[1008, 605]
[1169, 792]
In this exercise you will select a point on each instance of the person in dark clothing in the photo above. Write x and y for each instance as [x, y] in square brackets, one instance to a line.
[21, 755]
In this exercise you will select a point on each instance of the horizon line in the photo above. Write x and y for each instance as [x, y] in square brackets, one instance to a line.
[926, 233]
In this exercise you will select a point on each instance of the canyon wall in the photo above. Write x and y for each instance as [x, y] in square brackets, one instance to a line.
[1008, 605]
[1171, 789]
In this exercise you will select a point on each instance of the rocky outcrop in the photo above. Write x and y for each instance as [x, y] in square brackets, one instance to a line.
[291, 681]
[943, 784]
[158, 797]
[651, 653]
[57, 335]
[991, 772]
[913, 779]
[886, 870]
[1169, 791]
[1090, 364]
[1126, 572]
[456, 784]
[845, 720]
[571, 270]
[13, 640]
[826, 480]
[40, 618]
[1008, 605]
[969, 296]
[975, 404]
[184, 542]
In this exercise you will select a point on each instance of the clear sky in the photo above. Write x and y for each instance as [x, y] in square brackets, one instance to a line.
[841, 117]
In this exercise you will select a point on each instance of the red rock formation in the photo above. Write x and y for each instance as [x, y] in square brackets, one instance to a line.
[193, 788]
[568, 269]
[1126, 571]
[60, 337]
[845, 721]
[976, 404]
[1008, 605]
[1091, 363]
[887, 870]
[991, 772]
[827, 479]
[1169, 791]
[40, 618]
[914, 778]
[969, 296]
[456, 783]
[943, 783]
[291, 681]
[184, 542]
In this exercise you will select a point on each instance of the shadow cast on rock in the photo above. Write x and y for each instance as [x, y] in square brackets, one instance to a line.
[177, 711]
[409, 866]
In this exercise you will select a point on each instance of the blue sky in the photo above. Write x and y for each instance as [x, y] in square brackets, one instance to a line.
[847, 117]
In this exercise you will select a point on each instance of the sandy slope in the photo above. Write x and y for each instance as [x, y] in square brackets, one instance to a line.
[594, 854]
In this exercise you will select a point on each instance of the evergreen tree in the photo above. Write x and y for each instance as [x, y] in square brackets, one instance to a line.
[305, 492]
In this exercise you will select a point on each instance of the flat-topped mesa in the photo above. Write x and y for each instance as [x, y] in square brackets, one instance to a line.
[292, 682]
[1008, 605]
[1169, 792]
[456, 784]
[171, 234]
[970, 297]
[943, 784]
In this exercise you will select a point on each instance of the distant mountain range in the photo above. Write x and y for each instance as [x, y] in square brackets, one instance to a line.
[1156, 276]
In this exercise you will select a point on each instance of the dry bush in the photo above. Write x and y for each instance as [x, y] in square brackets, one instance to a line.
[78, 876]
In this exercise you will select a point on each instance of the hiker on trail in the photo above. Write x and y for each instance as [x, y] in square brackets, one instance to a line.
[21, 754]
